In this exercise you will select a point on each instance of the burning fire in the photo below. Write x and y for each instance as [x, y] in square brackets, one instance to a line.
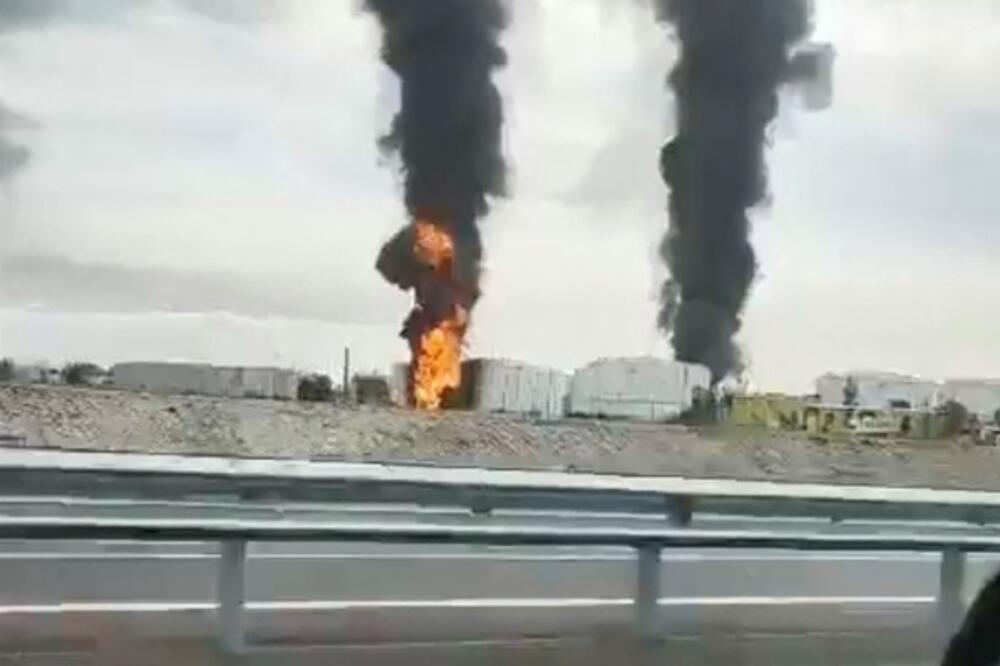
[437, 365]
[432, 245]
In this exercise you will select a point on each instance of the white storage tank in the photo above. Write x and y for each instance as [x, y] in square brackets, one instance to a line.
[258, 382]
[163, 377]
[204, 379]
[879, 389]
[643, 388]
[498, 385]
[399, 375]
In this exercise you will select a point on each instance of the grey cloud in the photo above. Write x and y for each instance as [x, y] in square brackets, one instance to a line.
[905, 180]
[16, 14]
[623, 170]
[29, 14]
[13, 156]
[34, 14]
[59, 283]
[233, 11]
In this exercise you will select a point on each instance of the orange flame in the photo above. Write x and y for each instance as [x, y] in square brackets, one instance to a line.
[439, 363]
[438, 366]
[432, 244]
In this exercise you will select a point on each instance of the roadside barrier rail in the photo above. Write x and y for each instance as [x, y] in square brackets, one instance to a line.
[47, 494]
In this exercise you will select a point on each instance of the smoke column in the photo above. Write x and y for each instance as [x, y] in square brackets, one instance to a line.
[733, 56]
[447, 136]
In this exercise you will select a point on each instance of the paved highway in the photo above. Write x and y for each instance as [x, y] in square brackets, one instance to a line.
[62, 601]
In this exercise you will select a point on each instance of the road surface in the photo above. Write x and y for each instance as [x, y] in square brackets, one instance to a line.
[65, 602]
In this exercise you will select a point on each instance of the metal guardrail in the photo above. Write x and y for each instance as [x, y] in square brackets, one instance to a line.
[171, 477]
[62, 495]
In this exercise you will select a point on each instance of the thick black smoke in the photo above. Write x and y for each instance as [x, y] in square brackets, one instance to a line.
[447, 136]
[733, 56]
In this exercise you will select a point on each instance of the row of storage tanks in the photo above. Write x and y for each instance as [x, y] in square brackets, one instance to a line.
[644, 388]
[887, 389]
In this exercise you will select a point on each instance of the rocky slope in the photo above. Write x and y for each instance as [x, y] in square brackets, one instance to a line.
[76, 418]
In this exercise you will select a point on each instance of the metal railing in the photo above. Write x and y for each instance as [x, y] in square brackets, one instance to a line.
[64, 495]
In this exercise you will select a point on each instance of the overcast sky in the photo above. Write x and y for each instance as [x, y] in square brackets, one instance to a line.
[205, 185]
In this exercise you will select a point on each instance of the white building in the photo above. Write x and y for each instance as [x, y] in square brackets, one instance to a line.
[645, 388]
[879, 389]
[37, 373]
[204, 379]
[980, 396]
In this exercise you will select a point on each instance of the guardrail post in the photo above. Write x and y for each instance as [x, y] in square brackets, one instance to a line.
[950, 605]
[232, 594]
[647, 593]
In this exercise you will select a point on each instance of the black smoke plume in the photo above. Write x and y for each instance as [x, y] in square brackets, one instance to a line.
[733, 56]
[447, 136]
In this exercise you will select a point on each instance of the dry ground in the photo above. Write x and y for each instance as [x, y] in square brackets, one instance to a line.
[78, 418]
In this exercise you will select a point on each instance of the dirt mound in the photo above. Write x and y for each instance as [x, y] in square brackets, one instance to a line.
[75, 418]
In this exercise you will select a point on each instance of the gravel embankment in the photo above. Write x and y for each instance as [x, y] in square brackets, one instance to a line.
[74, 418]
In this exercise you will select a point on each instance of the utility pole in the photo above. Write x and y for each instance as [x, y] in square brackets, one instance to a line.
[347, 374]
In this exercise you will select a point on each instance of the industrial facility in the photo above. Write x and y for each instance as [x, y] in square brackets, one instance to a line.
[640, 388]
[880, 403]
[205, 379]
[498, 386]
[980, 396]
[492, 385]
[878, 389]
